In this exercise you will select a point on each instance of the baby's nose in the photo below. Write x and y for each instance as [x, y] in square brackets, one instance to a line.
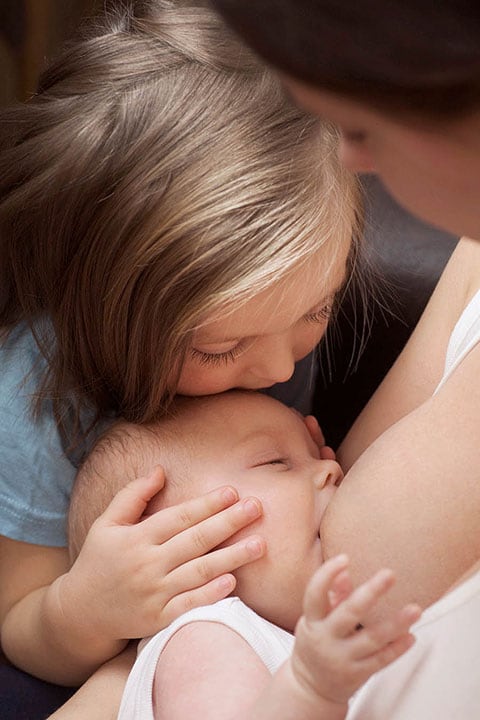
[328, 472]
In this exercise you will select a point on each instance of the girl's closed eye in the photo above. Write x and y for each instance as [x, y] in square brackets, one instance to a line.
[219, 358]
[323, 314]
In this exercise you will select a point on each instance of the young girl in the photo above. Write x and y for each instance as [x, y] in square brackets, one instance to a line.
[161, 232]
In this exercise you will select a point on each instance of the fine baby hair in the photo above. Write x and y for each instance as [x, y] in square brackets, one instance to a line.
[125, 451]
[158, 175]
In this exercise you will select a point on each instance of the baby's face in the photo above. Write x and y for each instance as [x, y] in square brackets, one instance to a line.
[263, 449]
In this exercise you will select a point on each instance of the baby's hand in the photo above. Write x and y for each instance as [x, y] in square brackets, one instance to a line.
[135, 574]
[311, 423]
[334, 654]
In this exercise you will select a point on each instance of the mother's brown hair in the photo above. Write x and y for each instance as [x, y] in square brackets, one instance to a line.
[158, 175]
[418, 57]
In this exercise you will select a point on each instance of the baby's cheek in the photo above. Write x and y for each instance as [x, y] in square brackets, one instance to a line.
[268, 592]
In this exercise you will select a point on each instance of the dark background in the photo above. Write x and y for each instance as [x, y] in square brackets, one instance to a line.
[30, 32]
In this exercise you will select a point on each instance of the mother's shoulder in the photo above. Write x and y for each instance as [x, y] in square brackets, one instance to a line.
[466, 262]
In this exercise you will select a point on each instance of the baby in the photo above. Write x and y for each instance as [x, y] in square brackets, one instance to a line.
[238, 658]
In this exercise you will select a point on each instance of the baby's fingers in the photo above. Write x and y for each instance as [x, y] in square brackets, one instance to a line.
[386, 655]
[317, 599]
[383, 635]
[353, 611]
[314, 429]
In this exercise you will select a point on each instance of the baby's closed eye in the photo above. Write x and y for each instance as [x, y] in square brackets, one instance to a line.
[281, 462]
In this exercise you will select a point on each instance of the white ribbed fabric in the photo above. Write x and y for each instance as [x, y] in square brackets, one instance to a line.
[272, 644]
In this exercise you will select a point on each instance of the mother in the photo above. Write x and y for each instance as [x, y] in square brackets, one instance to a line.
[402, 81]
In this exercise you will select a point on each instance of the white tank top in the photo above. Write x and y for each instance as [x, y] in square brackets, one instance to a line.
[439, 678]
[464, 337]
[271, 643]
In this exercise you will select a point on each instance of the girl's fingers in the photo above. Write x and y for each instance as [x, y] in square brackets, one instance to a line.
[316, 602]
[372, 639]
[128, 505]
[211, 592]
[176, 519]
[202, 570]
[353, 611]
[195, 541]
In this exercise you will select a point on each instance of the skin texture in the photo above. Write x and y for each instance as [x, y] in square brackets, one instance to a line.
[433, 171]
[70, 613]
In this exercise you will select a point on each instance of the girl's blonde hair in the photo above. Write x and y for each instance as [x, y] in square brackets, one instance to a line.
[159, 175]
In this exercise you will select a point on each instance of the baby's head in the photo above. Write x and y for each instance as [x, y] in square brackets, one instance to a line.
[243, 439]
[157, 181]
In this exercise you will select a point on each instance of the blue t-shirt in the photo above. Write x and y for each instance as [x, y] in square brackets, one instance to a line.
[36, 477]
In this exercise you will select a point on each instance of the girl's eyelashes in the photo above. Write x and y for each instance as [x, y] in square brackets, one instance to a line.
[217, 359]
[319, 316]
[207, 359]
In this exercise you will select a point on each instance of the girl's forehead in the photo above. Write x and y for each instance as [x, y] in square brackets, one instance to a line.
[276, 308]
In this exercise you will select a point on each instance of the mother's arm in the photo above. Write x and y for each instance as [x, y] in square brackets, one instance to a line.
[411, 501]
[417, 371]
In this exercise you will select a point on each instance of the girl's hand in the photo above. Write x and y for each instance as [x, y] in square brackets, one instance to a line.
[135, 574]
[334, 654]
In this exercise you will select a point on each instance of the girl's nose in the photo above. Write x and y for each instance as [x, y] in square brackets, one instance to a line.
[277, 361]
[327, 472]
